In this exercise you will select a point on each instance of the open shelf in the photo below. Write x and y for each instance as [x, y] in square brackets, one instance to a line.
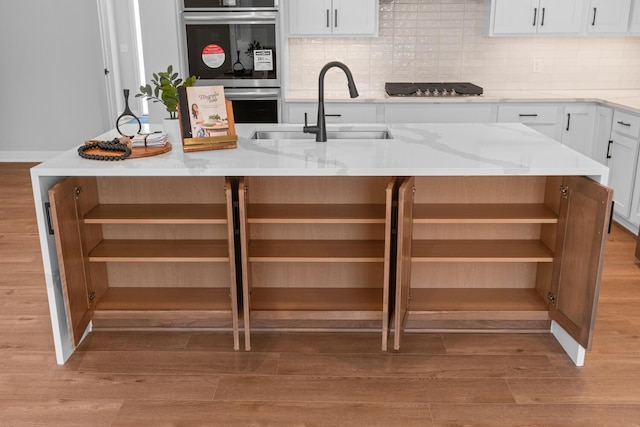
[477, 304]
[169, 299]
[480, 251]
[316, 214]
[157, 214]
[160, 251]
[317, 303]
[316, 251]
[483, 214]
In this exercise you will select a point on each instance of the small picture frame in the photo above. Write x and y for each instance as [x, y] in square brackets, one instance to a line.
[206, 119]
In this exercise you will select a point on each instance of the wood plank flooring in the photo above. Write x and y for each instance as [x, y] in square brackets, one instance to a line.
[194, 379]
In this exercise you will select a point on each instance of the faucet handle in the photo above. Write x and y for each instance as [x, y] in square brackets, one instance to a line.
[305, 119]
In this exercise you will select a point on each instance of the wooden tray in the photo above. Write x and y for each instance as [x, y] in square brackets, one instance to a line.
[136, 152]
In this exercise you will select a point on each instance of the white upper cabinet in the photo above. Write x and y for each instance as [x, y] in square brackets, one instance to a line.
[333, 17]
[513, 17]
[634, 25]
[608, 16]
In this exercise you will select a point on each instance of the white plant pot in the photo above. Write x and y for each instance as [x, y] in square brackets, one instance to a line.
[172, 128]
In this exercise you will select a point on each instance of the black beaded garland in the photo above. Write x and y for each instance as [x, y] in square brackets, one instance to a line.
[114, 145]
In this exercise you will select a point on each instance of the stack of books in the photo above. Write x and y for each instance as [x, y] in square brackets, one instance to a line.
[155, 139]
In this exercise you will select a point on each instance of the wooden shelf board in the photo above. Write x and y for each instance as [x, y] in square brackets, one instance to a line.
[316, 251]
[316, 214]
[334, 303]
[157, 214]
[477, 304]
[483, 214]
[160, 251]
[480, 251]
[165, 299]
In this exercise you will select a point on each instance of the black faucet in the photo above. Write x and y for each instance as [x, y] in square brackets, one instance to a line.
[320, 129]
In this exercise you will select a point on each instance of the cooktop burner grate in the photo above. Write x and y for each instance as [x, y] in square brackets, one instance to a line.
[432, 89]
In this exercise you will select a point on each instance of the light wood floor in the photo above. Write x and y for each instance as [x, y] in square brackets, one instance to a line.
[194, 379]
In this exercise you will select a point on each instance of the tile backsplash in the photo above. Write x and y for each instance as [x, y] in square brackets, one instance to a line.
[443, 40]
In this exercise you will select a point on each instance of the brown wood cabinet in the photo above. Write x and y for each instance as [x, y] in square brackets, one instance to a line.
[146, 252]
[316, 252]
[499, 253]
[508, 253]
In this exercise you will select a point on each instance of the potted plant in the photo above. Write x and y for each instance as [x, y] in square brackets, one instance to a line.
[165, 89]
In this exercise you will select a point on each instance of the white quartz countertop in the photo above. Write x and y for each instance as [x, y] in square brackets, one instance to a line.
[415, 150]
[627, 99]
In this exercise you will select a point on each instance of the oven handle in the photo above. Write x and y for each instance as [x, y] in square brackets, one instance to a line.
[251, 94]
[232, 18]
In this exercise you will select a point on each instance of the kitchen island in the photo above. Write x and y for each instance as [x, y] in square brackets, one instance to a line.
[468, 227]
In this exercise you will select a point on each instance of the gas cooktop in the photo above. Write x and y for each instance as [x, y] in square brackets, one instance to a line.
[432, 89]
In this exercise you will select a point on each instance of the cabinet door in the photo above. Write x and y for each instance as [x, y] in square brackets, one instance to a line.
[543, 118]
[634, 24]
[578, 128]
[634, 215]
[334, 113]
[71, 258]
[560, 16]
[582, 229]
[355, 17]
[604, 117]
[437, 113]
[403, 257]
[608, 16]
[310, 17]
[623, 152]
[515, 16]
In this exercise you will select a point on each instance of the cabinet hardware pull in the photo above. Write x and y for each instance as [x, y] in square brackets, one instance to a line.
[47, 210]
[595, 11]
[528, 115]
[335, 18]
[333, 115]
[609, 149]
[328, 18]
[535, 15]
[542, 20]
[613, 202]
[624, 124]
[568, 120]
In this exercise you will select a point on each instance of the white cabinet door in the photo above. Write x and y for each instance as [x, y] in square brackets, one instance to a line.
[634, 25]
[604, 117]
[623, 153]
[537, 16]
[355, 17]
[578, 128]
[560, 16]
[543, 118]
[310, 17]
[337, 17]
[437, 113]
[515, 16]
[335, 112]
[608, 16]
[634, 217]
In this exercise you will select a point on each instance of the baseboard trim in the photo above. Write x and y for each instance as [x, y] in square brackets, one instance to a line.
[27, 156]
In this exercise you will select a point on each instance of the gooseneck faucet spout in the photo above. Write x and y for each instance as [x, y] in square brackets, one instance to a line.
[320, 129]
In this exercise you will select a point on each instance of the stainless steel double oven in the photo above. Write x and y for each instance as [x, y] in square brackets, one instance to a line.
[236, 44]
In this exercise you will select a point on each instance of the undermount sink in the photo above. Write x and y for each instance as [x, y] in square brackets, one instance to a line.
[339, 134]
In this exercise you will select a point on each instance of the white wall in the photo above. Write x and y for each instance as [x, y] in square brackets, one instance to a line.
[51, 76]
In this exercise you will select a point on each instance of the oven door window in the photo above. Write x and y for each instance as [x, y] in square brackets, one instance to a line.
[230, 51]
[255, 111]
